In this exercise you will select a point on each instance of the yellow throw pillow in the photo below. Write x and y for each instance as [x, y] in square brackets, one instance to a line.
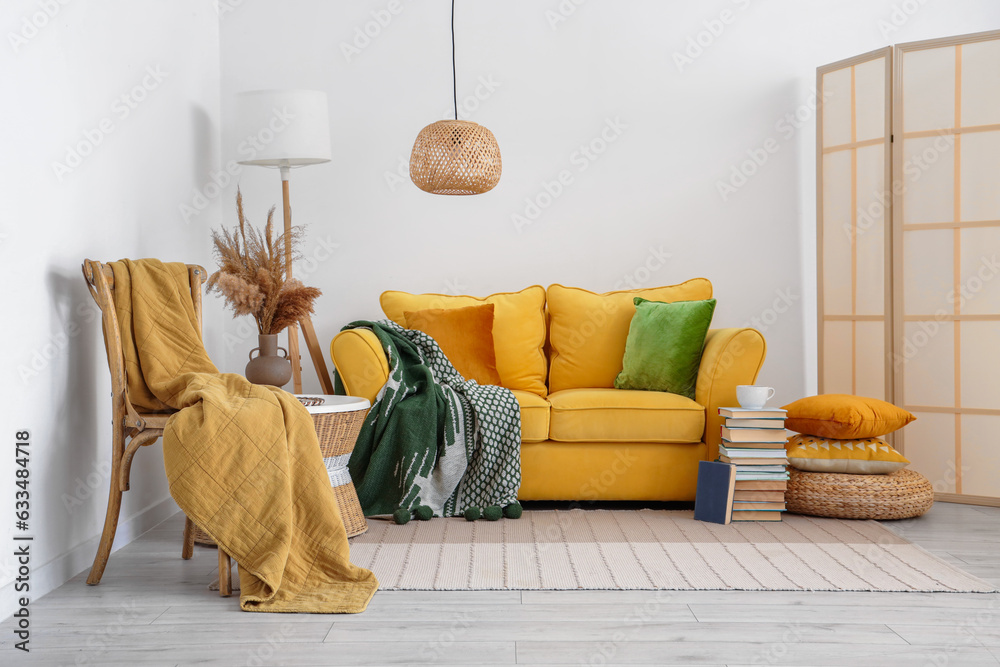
[845, 416]
[869, 456]
[518, 329]
[465, 335]
[587, 331]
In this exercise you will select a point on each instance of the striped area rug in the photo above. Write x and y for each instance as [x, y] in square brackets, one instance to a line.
[650, 550]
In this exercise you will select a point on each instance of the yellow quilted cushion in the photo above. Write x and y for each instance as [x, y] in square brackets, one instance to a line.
[518, 329]
[587, 331]
[869, 456]
[534, 416]
[622, 415]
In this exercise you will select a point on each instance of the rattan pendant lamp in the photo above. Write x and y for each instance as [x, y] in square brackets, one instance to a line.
[455, 157]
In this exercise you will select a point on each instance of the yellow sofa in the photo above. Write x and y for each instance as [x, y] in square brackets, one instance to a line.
[559, 350]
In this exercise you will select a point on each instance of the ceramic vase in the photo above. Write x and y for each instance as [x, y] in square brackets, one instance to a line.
[269, 367]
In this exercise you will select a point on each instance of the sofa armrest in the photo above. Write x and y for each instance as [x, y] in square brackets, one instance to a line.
[361, 362]
[731, 357]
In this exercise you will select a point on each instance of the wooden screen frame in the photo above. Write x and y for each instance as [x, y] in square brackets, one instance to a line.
[821, 150]
[957, 225]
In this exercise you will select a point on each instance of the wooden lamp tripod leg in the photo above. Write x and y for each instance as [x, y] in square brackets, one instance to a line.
[293, 331]
[312, 343]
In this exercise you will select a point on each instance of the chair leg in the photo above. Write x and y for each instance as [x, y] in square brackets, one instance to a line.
[225, 574]
[188, 549]
[110, 519]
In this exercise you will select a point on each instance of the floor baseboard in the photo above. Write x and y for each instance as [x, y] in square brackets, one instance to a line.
[56, 572]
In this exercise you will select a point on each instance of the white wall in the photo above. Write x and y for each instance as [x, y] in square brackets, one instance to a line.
[62, 76]
[556, 84]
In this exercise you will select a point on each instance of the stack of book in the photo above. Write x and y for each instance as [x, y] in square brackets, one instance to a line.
[754, 441]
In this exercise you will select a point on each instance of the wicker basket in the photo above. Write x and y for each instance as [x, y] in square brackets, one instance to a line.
[201, 537]
[337, 433]
[900, 495]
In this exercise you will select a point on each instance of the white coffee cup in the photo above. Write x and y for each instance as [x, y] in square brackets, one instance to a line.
[752, 396]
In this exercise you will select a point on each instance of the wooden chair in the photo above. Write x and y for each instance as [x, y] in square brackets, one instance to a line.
[132, 429]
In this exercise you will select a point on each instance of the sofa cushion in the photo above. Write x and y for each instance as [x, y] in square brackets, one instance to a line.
[866, 456]
[534, 416]
[663, 349]
[465, 335]
[845, 416]
[518, 329]
[621, 415]
[587, 331]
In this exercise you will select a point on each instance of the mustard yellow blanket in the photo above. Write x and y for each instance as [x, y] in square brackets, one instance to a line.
[242, 460]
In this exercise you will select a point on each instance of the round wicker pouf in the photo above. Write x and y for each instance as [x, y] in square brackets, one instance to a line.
[900, 495]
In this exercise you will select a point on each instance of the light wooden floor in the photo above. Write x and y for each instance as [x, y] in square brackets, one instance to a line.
[153, 609]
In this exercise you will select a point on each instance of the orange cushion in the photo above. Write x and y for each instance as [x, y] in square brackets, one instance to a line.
[465, 335]
[518, 329]
[845, 417]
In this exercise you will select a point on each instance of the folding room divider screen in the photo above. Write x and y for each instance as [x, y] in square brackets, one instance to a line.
[908, 199]
[853, 165]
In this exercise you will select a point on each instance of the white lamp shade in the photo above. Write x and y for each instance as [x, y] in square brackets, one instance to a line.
[283, 128]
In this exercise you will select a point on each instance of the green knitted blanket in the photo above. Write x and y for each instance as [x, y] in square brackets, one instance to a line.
[432, 437]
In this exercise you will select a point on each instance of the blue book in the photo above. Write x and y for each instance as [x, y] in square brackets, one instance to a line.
[713, 501]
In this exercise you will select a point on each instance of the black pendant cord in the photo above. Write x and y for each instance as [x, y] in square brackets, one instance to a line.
[454, 83]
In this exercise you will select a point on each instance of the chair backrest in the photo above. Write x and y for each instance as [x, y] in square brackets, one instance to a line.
[101, 283]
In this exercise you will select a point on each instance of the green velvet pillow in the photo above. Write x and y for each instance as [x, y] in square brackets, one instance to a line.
[664, 345]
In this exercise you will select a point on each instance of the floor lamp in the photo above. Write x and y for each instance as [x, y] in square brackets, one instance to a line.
[285, 129]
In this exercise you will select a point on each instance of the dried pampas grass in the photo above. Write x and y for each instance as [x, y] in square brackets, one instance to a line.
[251, 276]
